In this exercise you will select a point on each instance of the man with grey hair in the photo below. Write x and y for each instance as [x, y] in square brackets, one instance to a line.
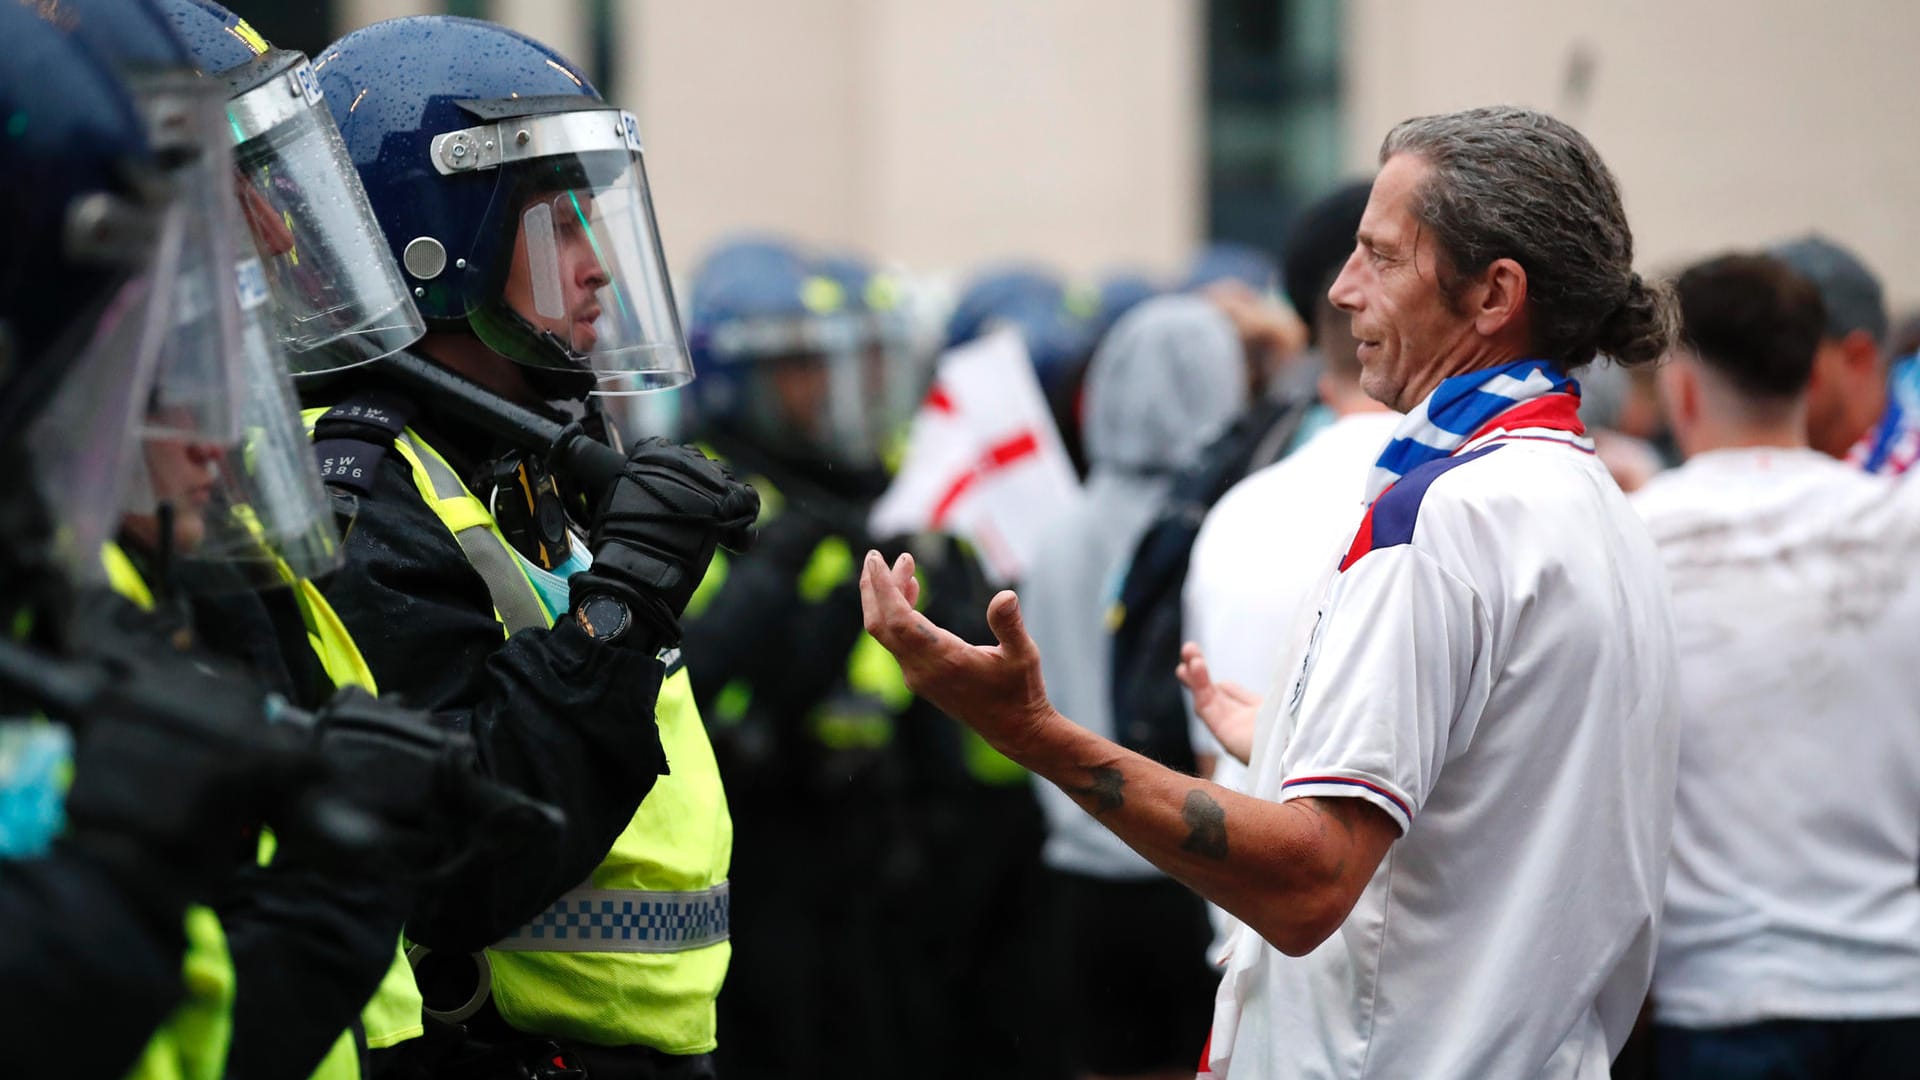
[1450, 859]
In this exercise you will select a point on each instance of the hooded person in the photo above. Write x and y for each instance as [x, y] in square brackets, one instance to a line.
[1167, 379]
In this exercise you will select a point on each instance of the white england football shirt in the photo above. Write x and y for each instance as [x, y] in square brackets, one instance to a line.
[1796, 841]
[1261, 560]
[1492, 667]
[1262, 553]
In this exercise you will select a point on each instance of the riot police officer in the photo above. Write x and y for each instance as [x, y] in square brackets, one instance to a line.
[534, 606]
[101, 938]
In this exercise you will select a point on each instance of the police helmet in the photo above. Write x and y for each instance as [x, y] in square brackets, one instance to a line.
[1224, 261]
[339, 297]
[784, 354]
[223, 445]
[87, 275]
[1056, 324]
[899, 361]
[514, 197]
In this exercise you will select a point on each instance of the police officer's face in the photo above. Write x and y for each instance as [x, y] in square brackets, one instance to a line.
[581, 273]
[182, 472]
[800, 386]
[1406, 329]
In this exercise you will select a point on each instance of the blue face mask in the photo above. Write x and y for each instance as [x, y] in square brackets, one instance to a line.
[552, 584]
[36, 766]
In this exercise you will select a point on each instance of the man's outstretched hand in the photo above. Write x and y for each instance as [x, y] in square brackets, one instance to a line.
[1227, 708]
[996, 689]
[1290, 871]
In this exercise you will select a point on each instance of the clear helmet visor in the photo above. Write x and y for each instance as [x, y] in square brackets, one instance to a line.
[906, 367]
[246, 513]
[338, 294]
[83, 442]
[813, 387]
[585, 285]
[197, 380]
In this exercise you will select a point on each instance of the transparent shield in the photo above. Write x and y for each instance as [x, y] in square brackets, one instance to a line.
[339, 295]
[587, 273]
[82, 444]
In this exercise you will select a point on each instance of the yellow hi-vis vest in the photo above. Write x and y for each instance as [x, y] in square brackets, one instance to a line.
[391, 1017]
[394, 1013]
[192, 1044]
[635, 956]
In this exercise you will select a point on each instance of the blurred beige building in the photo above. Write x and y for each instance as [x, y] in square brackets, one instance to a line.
[1089, 133]
[1729, 122]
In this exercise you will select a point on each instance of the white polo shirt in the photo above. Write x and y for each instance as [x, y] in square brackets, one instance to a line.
[1492, 667]
[1796, 840]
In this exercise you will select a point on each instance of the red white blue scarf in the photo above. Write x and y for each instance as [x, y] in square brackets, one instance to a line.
[1525, 393]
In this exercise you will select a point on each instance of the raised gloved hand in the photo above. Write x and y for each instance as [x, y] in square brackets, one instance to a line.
[657, 529]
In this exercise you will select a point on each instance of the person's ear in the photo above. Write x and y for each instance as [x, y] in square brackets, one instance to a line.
[1679, 385]
[1499, 299]
[1861, 355]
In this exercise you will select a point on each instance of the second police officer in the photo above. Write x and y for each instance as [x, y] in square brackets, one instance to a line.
[515, 200]
[803, 717]
[517, 204]
[177, 353]
[95, 880]
[226, 526]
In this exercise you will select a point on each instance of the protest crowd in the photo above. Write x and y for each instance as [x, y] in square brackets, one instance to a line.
[454, 636]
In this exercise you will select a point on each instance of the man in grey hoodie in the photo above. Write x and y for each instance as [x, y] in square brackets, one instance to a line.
[1168, 378]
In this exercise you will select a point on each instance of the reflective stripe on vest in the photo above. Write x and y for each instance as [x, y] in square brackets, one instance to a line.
[192, 1044]
[625, 920]
[466, 517]
[395, 1012]
[681, 840]
[124, 578]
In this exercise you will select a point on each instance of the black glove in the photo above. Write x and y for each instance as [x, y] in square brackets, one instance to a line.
[179, 805]
[657, 529]
[421, 805]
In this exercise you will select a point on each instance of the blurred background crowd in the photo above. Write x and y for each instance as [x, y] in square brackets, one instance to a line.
[1154, 196]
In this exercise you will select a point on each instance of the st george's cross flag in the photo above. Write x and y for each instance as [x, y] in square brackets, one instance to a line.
[984, 461]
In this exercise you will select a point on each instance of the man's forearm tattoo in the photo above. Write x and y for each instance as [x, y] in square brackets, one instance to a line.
[1208, 825]
[1104, 793]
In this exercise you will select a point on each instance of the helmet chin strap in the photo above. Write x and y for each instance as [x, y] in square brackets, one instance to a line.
[554, 370]
[557, 385]
[163, 551]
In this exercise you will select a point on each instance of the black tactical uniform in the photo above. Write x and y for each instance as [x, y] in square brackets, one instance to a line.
[555, 714]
